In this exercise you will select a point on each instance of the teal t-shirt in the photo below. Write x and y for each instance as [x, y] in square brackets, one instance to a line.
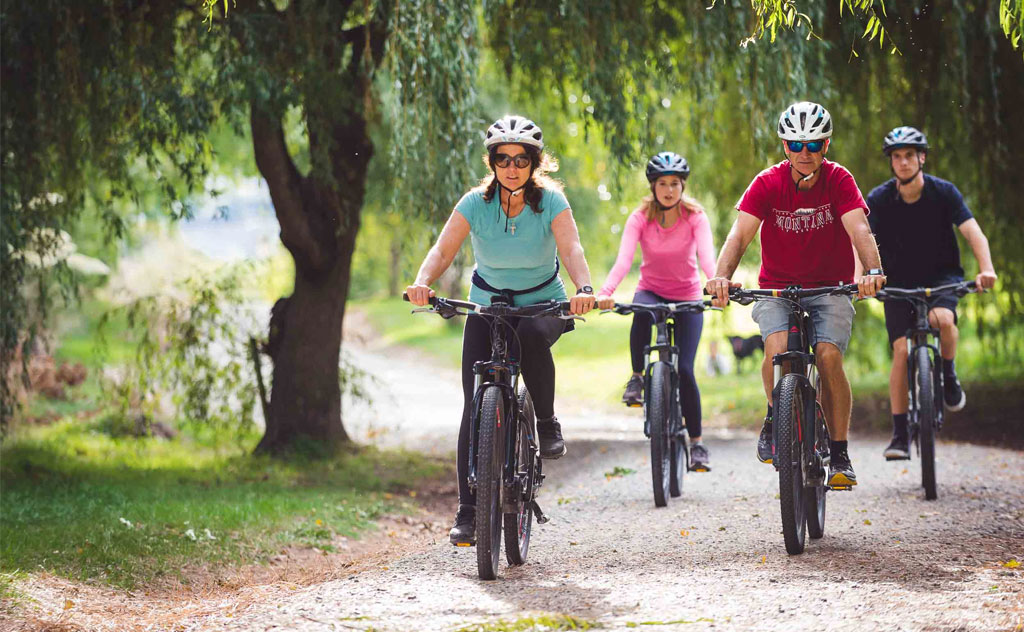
[514, 260]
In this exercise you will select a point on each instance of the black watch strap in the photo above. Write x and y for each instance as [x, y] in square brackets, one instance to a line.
[586, 289]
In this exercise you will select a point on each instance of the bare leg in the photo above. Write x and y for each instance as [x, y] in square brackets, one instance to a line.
[898, 399]
[837, 401]
[774, 344]
[943, 319]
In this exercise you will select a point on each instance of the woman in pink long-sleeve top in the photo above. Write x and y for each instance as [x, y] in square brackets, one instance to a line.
[674, 235]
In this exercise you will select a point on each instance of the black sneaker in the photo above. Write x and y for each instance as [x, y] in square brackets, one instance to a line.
[953, 394]
[899, 449]
[634, 394]
[765, 445]
[699, 458]
[550, 434]
[840, 472]
[464, 531]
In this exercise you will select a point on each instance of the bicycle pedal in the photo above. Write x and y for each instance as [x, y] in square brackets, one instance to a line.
[898, 458]
[634, 405]
[841, 488]
[464, 544]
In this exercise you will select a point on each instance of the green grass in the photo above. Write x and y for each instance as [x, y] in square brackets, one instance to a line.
[81, 504]
[533, 624]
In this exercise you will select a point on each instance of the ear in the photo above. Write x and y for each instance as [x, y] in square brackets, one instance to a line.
[922, 156]
[824, 151]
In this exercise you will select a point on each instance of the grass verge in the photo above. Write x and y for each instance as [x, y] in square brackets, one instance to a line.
[82, 504]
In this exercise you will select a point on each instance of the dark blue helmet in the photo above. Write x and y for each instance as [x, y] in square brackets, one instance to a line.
[667, 163]
[904, 136]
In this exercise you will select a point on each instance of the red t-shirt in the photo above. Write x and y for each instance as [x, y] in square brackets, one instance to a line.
[803, 241]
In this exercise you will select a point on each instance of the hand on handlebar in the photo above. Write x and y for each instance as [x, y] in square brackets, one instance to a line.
[419, 294]
[718, 288]
[605, 302]
[986, 280]
[869, 284]
[581, 303]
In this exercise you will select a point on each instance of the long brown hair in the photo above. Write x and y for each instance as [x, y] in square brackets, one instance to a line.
[651, 207]
[541, 164]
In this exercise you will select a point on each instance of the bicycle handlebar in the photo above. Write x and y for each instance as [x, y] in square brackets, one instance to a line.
[960, 289]
[449, 307]
[689, 307]
[745, 297]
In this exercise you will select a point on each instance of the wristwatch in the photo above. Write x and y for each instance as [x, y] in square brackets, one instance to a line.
[586, 289]
[874, 272]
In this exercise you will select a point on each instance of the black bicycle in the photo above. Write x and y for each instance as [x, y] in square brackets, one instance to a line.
[924, 374]
[504, 460]
[663, 412]
[799, 428]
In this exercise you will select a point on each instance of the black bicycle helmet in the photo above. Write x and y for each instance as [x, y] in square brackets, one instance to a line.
[904, 136]
[667, 163]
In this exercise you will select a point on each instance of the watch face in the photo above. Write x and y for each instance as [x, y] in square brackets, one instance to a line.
[586, 289]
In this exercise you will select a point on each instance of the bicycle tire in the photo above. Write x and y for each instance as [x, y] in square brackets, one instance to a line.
[789, 412]
[814, 497]
[926, 419]
[679, 454]
[518, 525]
[659, 416]
[490, 457]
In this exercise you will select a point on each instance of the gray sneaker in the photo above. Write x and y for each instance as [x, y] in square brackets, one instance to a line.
[699, 458]
[898, 450]
[634, 395]
[549, 432]
[765, 445]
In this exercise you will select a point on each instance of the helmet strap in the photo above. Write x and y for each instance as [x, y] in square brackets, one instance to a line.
[512, 193]
[662, 207]
[803, 178]
[905, 181]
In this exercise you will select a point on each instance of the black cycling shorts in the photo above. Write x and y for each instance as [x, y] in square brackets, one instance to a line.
[899, 315]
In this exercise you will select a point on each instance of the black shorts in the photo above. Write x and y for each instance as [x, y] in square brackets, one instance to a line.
[900, 316]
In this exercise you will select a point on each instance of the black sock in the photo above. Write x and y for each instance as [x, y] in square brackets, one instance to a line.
[948, 368]
[837, 447]
[899, 425]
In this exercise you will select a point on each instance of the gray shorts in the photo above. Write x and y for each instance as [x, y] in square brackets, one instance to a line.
[832, 317]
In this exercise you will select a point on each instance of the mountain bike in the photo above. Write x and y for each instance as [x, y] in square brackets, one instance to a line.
[924, 374]
[504, 460]
[663, 412]
[799, 428]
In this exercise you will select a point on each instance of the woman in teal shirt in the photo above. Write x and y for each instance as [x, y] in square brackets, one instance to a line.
[517, 218]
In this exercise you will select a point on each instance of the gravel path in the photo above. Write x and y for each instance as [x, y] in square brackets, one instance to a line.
[714, 559]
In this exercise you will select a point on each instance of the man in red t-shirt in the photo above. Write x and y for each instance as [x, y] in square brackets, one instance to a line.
[813, 223]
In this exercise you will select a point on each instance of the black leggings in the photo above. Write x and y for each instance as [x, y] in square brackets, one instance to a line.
[687, 335]
[538, 368]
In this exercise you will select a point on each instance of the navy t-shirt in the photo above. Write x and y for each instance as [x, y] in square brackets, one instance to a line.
[916, 241]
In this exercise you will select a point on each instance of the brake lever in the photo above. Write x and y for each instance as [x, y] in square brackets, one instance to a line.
[573, 317]
[422, 309]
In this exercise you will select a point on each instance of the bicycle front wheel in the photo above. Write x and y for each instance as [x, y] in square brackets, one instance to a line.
[659, 417]
[814, 468]
[926, 407]
[489, 460]
[518, 525]
[789, 413]
[679, 452]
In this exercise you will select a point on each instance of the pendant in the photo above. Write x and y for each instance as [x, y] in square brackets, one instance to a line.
[513, 225]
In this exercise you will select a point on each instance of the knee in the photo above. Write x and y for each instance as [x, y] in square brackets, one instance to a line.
[942, 319]
[828, 356]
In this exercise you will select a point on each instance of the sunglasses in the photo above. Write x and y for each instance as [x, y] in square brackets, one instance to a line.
[813, 146]
[522, 161]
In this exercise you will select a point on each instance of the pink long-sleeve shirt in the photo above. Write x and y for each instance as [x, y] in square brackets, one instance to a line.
[669, 256]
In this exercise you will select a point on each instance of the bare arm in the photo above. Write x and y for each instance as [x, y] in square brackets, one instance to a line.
[567, 238]
[971, 231]
[441, 255]
[740, 236]
[865, 251]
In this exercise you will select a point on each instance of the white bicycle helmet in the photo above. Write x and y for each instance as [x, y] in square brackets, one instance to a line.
[805, 121]
[514, 129]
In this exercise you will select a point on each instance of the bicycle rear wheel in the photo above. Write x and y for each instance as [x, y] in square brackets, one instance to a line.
[490, 457]
[789, 414]
[926, 407]
[518, 525]
[659, 417]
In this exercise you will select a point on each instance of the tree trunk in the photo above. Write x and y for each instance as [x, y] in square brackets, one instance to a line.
[319, 222]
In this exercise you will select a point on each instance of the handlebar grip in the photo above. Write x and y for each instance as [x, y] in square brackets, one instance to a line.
[432, 300]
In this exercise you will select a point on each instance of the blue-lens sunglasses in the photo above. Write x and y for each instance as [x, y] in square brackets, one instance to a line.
[813, 146]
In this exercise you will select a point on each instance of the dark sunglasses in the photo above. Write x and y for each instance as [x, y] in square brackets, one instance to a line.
[522, 161]
[813, 146]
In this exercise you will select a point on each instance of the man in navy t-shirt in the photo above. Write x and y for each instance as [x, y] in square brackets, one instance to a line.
[912, 217]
